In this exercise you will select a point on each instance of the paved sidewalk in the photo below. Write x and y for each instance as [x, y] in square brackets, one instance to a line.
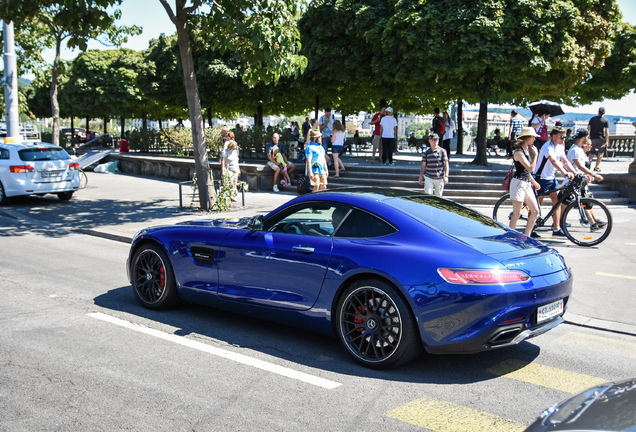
[116, 206]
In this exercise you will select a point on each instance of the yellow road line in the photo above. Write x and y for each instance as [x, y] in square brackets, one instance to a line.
[616, 275]
[601, 344]
[546, 376]
[442, 416]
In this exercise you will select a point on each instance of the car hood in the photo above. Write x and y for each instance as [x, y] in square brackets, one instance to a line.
[610, 406]
[516, 251]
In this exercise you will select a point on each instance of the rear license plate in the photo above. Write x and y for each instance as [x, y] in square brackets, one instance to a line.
[548, 311]
[49, 174]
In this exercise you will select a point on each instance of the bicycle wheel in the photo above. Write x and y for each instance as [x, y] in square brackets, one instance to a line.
[83, 179]
[577, 224]
[503, 212]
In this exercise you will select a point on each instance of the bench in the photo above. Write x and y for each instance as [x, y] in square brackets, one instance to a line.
[357, 145]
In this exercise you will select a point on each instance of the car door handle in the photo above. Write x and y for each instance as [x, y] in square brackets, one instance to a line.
[303, 249]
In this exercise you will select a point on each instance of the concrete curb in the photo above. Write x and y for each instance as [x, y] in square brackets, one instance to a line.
[600, 324]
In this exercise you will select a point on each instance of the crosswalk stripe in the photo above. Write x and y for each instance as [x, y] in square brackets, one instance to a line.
[441, 416]
[546, 376]
[601, 344]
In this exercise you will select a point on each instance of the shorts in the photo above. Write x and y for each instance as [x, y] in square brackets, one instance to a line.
[273, 165]
[598, 146]
[547, 186]
[336, 149]
[377, 142]
[521, 189]
[319, 179]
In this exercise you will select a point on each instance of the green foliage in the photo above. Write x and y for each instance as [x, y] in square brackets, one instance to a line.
[418, 128]
[252, 140]
[144, 141]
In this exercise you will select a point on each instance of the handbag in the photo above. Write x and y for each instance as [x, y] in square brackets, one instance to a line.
[505, 185]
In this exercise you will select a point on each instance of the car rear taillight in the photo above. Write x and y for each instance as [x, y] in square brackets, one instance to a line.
[483, 276]
[21, 168]
[73, 166]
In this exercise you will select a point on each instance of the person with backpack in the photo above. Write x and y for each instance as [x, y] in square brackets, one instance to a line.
[439, 127]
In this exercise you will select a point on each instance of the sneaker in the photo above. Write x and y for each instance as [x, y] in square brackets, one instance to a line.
[276, 188]
[392, 163]
[287, 184]
[558, 233]
[534, 234]
[600, 223]
[597, 169]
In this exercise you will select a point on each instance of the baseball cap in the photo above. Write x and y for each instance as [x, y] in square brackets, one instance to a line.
[433, 136]
[581, 133]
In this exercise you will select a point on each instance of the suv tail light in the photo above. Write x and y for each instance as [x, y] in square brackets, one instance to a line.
[73, 166]
[483, 276]
[21, 168]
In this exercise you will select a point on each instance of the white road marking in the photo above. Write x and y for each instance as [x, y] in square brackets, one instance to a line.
[239, 358]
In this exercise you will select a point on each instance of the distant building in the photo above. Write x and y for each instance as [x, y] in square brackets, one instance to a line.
[622, 126]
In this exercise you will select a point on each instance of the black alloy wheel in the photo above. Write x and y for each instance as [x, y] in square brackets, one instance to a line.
[376, 325]
[153, 279]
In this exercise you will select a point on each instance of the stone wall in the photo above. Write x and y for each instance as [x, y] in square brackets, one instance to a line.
[257, 175]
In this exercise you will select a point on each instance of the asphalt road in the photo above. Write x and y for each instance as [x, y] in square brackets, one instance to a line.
[77, 352]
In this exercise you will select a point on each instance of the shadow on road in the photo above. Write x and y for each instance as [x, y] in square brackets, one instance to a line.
[235, 332]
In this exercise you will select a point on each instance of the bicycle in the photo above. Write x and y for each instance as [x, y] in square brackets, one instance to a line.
[576, 220]
[83, 179]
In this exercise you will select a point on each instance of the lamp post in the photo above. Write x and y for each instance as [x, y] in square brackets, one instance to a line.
[10, 83]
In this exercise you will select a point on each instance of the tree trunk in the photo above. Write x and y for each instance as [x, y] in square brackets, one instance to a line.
[258, 117]
[144, 121]
[210, 116]
[88, 125]
[201, 163]
[317, 107]
[460, 127]
[160, 125]
[343, 119]
[123, 127]
[72, 131]
[106, 125]
[55, 106]
[482, 130]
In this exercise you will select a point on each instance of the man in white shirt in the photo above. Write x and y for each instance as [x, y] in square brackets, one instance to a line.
[388, 130]
[577, 156]
[552, 158]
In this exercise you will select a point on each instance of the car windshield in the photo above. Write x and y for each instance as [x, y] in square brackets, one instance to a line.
[447, 216]
[43, 154]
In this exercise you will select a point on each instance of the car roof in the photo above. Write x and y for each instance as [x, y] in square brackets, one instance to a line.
[374, 193]
[28, 145]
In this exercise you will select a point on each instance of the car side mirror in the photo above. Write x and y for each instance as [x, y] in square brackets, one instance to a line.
[256, 223]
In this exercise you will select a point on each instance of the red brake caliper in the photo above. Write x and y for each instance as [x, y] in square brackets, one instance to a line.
[162, 278]
[358, 319]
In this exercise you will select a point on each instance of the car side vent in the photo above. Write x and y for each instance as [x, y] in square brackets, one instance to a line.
[202, 254]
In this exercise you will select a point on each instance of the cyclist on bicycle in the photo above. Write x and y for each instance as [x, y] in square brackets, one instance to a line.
[552, 158]
[577, 157]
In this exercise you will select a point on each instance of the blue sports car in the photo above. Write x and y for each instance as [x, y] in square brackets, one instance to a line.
[388, 271]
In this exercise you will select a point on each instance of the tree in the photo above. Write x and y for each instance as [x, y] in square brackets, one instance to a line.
[498, 50]
[617, 76]
[71, 20]
[262, 33]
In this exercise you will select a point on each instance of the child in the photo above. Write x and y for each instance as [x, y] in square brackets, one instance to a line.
[316, 163]
[280, 160]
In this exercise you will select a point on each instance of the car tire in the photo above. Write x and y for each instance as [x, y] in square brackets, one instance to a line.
[152, 277]
[65, 196]
[3, 197]
[376, 326]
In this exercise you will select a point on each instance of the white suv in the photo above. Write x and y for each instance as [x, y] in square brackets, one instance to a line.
[37, 168]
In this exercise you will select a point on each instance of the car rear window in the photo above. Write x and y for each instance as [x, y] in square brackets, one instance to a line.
[43, 154]
[447, 216]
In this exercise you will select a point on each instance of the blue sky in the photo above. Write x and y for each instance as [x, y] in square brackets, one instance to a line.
[152, 17]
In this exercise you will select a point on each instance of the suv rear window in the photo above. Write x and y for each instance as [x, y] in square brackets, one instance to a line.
[43, 154]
